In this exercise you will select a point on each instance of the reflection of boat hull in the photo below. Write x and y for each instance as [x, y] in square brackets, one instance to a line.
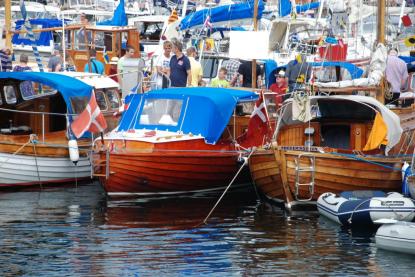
[165, 169]
[275, 174]
[399, 237]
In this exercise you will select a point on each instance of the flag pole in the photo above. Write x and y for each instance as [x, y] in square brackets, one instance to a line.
[254, 80]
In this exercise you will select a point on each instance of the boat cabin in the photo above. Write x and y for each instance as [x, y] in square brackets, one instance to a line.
[338, 122]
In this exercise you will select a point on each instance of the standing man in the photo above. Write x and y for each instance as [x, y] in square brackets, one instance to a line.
[396, 74]
[179, 70]
[279, 87]
[195, 67]
[96, 66]
[298, 71]
[5, 60]
[55, 62]
[129, 54]
[163, 65]
[84, 37]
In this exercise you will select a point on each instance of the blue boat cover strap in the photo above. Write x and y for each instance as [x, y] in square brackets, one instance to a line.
[205, 111]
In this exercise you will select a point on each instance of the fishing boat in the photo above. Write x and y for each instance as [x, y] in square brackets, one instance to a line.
[35, 145]
[397, 236]
[364, 208]
[173, 141]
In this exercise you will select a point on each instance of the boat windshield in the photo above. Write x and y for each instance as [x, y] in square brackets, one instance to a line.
[161, 112]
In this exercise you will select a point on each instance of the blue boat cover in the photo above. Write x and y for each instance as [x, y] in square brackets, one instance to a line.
[407, 59]
[44, 37]
[286, 7]
[222, 14]
[205, 111]
[67, 86]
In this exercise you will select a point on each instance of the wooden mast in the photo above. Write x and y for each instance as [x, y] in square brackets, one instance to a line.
[8, 20]
[381, 39]
[255, 29]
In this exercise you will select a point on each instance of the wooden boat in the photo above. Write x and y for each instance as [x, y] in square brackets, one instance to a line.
[35, 109]
[326, 154]
[172, 141]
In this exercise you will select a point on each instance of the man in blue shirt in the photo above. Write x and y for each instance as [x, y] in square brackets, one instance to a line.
[5, 60]
[179, 70]
[96, 66]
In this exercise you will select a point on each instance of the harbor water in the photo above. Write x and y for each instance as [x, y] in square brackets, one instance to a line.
[76, 231]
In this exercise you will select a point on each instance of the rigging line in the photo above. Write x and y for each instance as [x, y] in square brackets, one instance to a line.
[34, 141]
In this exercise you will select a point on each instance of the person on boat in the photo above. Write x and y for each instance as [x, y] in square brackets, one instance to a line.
[163, 64]
[129, 54]
[26, 87]
[245, 74]
[113, 69]
[232, 66]
[5, 59]
[220, 81]
[96, 66]
[195, 67]
[396, 74]
[297, 71]
[179, 70]
[69, 63]
[279, 87]
[83, 36]
[55, 61]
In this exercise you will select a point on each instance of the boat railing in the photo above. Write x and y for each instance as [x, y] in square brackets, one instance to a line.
[43, 114]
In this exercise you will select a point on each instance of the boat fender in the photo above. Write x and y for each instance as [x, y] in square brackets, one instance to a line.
[73, 151]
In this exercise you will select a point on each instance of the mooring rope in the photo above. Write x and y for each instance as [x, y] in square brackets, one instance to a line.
[34, 142]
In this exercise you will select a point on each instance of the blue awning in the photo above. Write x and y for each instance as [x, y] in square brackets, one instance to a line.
[207, 110]
[67, 86]
[285, 7]
[223, 13]
[44, 37]
[355, 72]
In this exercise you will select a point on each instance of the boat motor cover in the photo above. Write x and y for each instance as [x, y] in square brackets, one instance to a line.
[205, 111]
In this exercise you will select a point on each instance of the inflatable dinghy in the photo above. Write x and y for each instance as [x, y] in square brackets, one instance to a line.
[365, 207]
[398, 236]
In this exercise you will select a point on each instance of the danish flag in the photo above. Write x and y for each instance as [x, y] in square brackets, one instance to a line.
[91, 119]
[259, 130]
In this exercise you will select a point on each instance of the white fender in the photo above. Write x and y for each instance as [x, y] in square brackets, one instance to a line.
[73, 150]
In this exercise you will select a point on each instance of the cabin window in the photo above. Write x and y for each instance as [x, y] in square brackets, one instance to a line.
[161, 112]
[10, 94]
[210, 67]
[99, 95]
[113, 98]
[79, 103]
[26, 89]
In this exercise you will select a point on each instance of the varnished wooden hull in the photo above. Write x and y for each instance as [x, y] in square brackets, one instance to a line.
[24, 163]
[167, 169]
[333, 173]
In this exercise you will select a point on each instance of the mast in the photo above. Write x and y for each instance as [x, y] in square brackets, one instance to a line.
[381, 39]
[255, 29]
[8, 20]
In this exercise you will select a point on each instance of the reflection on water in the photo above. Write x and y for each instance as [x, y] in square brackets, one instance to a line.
[77, 232]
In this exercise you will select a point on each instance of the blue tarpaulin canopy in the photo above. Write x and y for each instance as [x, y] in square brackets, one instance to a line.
[285, 7]
[67, 86]
[44, 37]
[118, 19]
[222, 14]
[407, 59]
[205, 111]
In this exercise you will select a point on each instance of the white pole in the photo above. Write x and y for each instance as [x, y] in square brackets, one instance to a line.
[63, 40]
[184, 8]
[401, 14]
[320, 11]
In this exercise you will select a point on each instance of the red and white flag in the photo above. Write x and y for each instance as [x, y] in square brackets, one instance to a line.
[91, 119]
[207, 23]
[259, 129]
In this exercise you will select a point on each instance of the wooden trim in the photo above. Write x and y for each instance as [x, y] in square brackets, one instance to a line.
[280, 156]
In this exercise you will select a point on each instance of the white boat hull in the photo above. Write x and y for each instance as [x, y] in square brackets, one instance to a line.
[398, 237]
[20, 170]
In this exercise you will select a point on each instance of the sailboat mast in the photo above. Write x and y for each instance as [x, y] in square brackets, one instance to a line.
[255, 29]
[381, 39]
[381, 21]
[8, 21]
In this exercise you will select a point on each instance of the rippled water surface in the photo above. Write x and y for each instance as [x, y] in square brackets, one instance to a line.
[77, 232]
